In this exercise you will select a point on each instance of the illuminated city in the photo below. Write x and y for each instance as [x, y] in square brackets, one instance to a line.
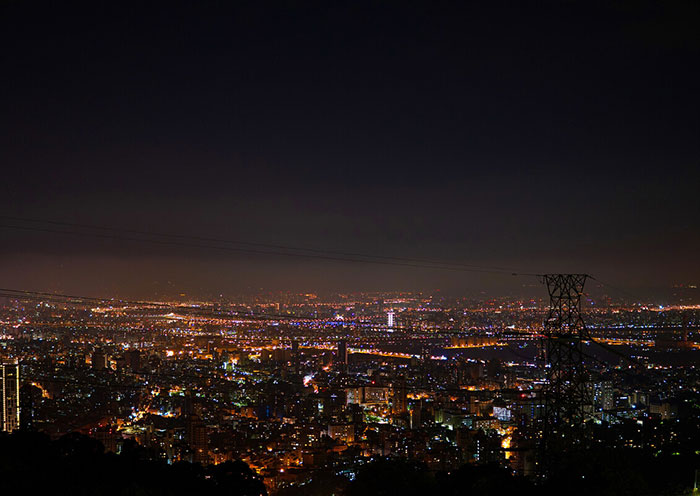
[350, 249]
[299, 385]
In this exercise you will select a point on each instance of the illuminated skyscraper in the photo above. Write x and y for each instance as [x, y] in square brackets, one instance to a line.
[197, 438]
[390, 319]
[342, 354]
[10, 395]
[399, 403]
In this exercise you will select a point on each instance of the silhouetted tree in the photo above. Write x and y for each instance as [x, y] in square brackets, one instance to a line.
[388, 477]
[30, 463]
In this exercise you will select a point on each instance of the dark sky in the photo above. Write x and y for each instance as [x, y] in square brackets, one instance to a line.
[547, 136]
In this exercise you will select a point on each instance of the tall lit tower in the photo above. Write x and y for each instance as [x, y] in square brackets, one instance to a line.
[390, 319]
[9, 382]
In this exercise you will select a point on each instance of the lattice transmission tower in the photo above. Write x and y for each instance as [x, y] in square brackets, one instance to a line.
[567, 394]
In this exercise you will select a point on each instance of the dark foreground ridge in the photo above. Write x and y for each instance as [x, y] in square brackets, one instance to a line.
[75, 464]
[611, 472]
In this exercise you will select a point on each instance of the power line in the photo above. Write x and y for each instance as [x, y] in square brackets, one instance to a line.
[251, 243]
[270, 249]
[618, 289]
[627, 357]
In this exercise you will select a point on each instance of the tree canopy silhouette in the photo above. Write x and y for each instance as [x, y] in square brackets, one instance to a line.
[75, 464]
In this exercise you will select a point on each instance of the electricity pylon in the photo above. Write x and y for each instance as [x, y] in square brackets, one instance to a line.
[567, 394]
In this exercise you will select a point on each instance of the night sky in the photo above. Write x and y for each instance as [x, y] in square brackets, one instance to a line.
[545, 136]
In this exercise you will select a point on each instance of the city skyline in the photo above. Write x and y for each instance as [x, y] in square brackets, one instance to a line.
[350, 248]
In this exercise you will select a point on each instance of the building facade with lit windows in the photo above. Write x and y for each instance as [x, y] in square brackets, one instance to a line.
[10, 395]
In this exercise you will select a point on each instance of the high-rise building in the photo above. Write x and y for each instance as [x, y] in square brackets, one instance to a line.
[603, 398]
[197, 438]
[342, 354]
[9, 370]
[399, 403]
[26, 406]
[390, 319]
[296, 358]
[99, 360]
[107, 435]
[133, 360]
